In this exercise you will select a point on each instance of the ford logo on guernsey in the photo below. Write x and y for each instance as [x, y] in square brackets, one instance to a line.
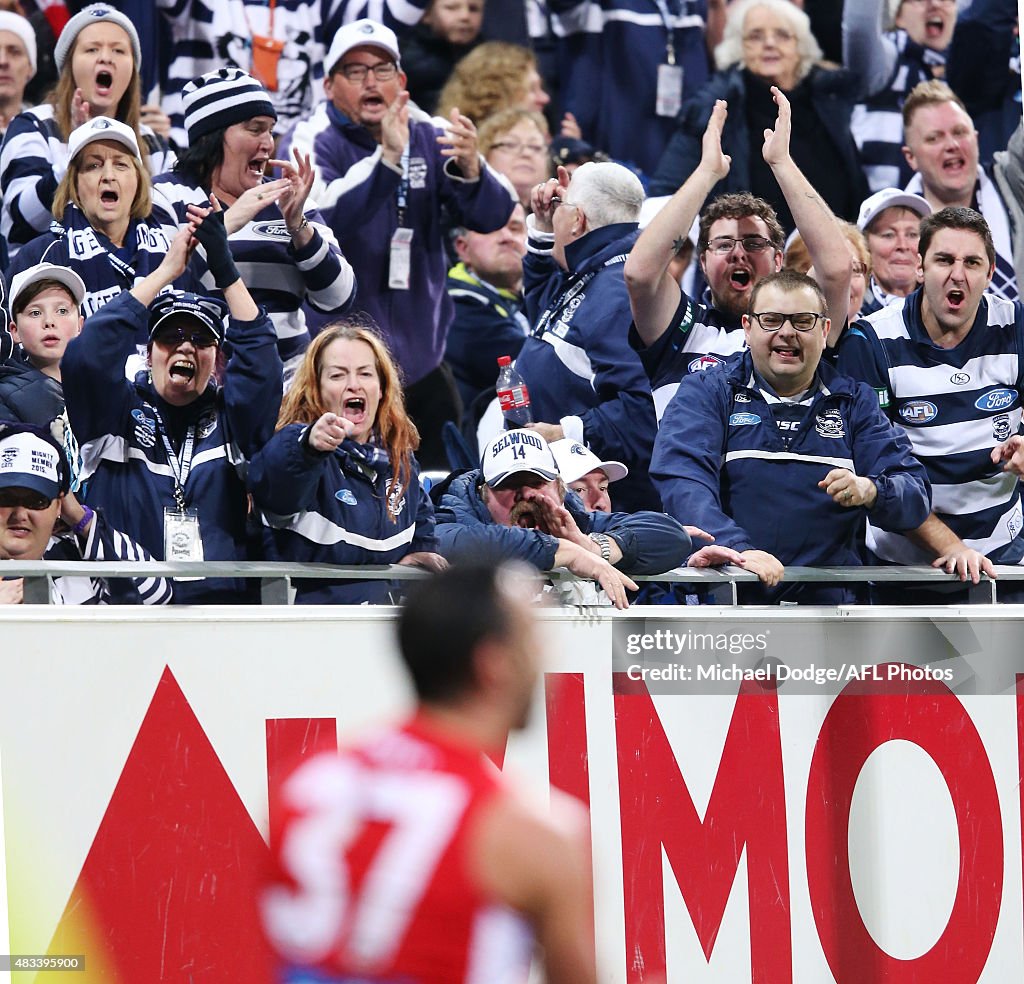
[704, 362]
[919, 411]
[997, 399]
[744, 419]
[272, 230]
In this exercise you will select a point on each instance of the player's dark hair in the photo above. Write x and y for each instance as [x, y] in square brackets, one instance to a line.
[444, 620]
[956, 217]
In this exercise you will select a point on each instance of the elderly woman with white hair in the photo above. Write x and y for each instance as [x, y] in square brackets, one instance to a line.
[766, 44]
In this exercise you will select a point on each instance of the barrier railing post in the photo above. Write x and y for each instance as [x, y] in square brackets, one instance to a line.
[275, 591]
[36, 590]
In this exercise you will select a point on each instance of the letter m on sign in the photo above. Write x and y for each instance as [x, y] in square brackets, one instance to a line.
[747, 810]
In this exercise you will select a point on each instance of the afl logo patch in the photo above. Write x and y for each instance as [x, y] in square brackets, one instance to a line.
[919, 411]
[704, 362]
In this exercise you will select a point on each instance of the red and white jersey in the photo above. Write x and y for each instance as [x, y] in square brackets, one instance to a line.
[373, 880]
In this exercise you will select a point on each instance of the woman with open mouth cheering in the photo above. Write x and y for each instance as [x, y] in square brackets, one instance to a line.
[286, 253]
[97, 57]
[338, 483]
[104, 229]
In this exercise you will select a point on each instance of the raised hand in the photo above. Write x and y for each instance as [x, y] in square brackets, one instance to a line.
[776, 142]
[292, 202]
[712, 156]
[460, 143]
[394, 129]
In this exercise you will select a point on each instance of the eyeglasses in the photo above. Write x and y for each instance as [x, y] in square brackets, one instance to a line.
[382, 71]
[517, 147]
[773, 320]
[556, 201]
[26, 498]
[778, 35]
[750, 244]
[172, 335]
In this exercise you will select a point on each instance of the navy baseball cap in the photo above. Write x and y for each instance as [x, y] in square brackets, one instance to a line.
[176, 305]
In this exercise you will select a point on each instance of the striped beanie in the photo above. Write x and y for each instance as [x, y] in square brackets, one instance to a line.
[217, 99]
[94, 14]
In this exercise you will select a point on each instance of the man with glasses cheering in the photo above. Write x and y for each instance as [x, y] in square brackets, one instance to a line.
[384, 174]
[780, 458]
[740, 241]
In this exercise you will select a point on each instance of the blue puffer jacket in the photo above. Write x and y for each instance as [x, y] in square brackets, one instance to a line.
[651, 542]
[117, 423]
[720, 462]
[26, 394]
[332, 508]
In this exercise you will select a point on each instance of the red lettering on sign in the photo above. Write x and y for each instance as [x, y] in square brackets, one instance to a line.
[568, 763]
[928, 714]
[747, 810]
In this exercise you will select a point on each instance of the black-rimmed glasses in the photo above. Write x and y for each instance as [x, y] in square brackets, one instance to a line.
[774, 320]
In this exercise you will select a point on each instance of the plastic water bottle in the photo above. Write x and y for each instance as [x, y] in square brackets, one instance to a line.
[513, 395]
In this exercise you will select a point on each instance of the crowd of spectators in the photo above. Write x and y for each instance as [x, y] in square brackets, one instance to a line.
[258, 273]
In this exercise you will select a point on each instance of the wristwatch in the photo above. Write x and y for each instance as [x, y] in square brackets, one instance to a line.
[605, 543]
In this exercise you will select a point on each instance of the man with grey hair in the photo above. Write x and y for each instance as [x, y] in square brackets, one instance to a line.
[585, 382]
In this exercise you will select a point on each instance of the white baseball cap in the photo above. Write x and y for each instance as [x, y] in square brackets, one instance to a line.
[355, 35]
[29, 462]
[890, 198]
[576, 460]
[46, 271]
[518, 451]
[102, 128]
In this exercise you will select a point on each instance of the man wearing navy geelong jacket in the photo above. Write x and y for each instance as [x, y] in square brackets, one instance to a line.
[781, 458]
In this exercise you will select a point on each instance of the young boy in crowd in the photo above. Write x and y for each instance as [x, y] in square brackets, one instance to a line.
[44, 306]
